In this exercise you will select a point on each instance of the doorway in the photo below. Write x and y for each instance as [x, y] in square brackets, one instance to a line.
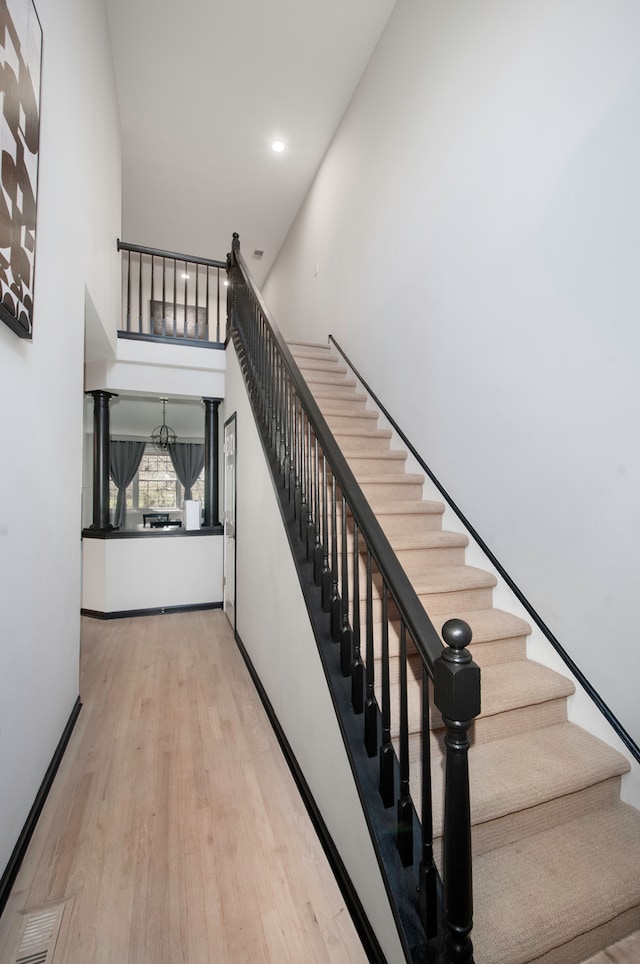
[229, 521]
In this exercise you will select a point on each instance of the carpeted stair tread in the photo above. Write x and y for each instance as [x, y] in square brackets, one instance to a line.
[372, 431]
[507, 690]
[322, 392]
[453, 578]
[321, 377]
[541, 892]
[501, 634]
[302, 349]
[397, 508]
[369, 478]
[540, 765]
[342, 418]
[320, 364]
[534, 780]
[331, 405]
[431, 539]
[390, 455]
[506, 686]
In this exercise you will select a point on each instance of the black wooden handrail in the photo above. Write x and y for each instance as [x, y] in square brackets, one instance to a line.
[159, 253]
[421, 629]
[298, 437]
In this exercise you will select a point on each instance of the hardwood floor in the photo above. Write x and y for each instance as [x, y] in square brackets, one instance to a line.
[174, 829]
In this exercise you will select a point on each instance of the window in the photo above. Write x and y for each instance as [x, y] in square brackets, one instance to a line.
[156, 485]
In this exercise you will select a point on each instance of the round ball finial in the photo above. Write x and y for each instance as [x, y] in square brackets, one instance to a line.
[456, 633]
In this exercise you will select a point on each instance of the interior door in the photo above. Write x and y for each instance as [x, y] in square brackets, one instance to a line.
[229, 520]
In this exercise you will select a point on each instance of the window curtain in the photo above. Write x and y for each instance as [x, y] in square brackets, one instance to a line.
[124, 462]
[188, 460]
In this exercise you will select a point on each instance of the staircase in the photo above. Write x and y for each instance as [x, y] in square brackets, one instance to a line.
[556, 852]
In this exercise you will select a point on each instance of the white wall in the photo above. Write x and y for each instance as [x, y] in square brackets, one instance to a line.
[160, 571]
[472, 238]
[273, 623]
[41, 401]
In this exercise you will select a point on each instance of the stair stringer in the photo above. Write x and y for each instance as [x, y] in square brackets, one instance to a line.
[273, 624]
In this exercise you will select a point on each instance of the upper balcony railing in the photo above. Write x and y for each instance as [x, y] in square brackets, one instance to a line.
[171, 296]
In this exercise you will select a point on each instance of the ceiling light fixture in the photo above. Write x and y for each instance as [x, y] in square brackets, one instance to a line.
[163, 436]
[277, 146]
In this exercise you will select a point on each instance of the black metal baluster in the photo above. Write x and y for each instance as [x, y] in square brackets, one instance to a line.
[207, 304]
[217, 304]
[175, 296]
[151, 300]
[271, 390]
[271, 407]
[303, 477]
[282, 431]
[291, 484]
[296, 459]
[310, 533]
[140, 295]
[371, 706]
[164, 297]
[186, 280]
[357, 666]
[345, 629]
[334, 603]
[197, 308]
[457, 695]
[428, 875]
[325, 576]
[128, 291]
[273, 384]
[317, 544]
[405, 807]
[387, 790]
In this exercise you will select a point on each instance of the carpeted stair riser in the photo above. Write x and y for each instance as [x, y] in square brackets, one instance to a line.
[400, 520]
[362, 420]
[315, 377]
[370, 444]
[346, 393]
[502, 713]
[356, 404]
[484, 654]
[556, 853]
[440, 549]
[368, 463]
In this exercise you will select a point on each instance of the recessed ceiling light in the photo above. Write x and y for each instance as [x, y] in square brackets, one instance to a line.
[277, 146]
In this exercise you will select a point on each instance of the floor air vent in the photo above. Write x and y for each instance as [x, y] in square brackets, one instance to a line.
[38, 935]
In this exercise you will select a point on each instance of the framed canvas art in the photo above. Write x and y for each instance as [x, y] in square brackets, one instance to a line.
[20, 63]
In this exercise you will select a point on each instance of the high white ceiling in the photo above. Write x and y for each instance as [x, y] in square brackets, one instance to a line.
[205, 87]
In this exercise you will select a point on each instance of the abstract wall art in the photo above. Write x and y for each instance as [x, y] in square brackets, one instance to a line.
[20, 63]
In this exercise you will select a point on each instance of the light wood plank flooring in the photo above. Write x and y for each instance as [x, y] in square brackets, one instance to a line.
[174, 828]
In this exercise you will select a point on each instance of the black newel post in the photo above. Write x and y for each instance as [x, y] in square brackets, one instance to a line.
[101, 518]
[211, 462]
[232, 295]
[456, 684]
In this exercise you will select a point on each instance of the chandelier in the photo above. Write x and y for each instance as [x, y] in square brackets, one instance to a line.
[163, 436]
